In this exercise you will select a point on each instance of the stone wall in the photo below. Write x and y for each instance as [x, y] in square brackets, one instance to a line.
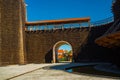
[91, 52]
[39, 44]
[0, 29]
[11, 29]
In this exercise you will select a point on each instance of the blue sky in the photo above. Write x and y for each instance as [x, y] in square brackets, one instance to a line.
[59, 9]
[65, 47]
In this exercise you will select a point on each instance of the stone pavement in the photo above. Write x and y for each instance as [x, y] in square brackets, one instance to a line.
[43, 72]
[10, 71]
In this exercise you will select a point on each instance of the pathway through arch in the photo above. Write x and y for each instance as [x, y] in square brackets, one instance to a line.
[62, 52]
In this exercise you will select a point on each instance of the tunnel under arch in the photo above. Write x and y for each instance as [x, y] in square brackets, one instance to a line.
[55, 48]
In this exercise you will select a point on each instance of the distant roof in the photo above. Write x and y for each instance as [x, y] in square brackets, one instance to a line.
[60, 21]
[60, 51]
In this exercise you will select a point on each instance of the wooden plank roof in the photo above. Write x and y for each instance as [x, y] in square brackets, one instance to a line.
[60, 21]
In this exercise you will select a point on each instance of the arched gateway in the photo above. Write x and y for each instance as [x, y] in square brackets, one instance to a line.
[43, 39]
[55, 49]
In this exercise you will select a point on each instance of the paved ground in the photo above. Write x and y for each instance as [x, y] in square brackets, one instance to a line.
[42, 72]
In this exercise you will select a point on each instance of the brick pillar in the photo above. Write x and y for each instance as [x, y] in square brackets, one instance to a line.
[0, 33]
[12, 48]
[21, 26]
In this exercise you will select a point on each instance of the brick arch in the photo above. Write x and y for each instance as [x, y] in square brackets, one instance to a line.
[56, 46]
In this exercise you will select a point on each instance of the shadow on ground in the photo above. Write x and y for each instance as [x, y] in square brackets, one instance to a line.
[88, 69]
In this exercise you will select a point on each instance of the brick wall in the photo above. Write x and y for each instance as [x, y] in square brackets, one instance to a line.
[91, 52]
[39, 44]
[0, 30]
[11, 32]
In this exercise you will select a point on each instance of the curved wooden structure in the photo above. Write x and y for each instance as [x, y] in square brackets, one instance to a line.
[110, 40]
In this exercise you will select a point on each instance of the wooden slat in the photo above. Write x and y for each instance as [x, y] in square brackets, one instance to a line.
[61, 21]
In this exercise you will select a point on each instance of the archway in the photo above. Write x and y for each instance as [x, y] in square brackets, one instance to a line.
[68, 55]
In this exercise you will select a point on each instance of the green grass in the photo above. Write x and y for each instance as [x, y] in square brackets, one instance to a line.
[63, 59]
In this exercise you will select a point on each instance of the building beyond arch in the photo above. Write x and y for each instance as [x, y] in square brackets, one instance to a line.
[55, 49]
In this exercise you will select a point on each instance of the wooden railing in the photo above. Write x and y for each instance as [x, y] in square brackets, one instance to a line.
[70, 25]
[103, 22]
[54, 27]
